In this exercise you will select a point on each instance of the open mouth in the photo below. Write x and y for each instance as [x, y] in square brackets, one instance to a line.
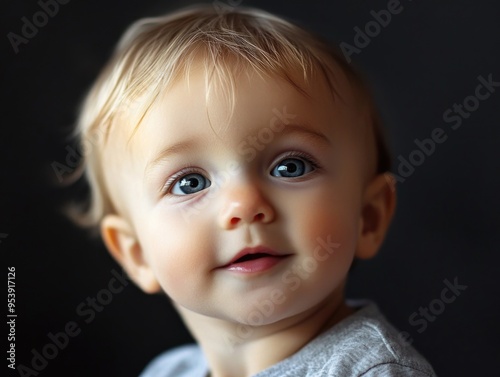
[255, 262]
[250, 257]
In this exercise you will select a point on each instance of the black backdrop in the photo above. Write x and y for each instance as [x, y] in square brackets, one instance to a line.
[430, 56]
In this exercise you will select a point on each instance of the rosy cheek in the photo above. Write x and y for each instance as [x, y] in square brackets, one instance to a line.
[325, 218]
[176, 251]
[165, 252]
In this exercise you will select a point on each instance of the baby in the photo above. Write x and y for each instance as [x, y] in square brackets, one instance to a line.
[241, 169]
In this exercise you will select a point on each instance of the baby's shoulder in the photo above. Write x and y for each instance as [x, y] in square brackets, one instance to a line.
[183, 361]
[368, 345]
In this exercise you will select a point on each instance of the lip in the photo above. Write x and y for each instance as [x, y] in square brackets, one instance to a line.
[269, 259]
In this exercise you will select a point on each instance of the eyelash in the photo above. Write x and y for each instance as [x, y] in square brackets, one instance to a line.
[189, 169]
[305, 156]
[174, 178]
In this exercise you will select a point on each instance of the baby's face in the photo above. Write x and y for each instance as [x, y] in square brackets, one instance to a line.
[286, 174]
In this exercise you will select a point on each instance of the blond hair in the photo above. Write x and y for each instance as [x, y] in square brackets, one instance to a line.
[153, 52]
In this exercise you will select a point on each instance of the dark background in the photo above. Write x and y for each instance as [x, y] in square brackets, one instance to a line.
[446, 227]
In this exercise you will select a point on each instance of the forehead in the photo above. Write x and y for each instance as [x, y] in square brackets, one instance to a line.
[197, 103]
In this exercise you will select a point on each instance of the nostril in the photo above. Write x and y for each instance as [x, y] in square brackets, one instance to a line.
[234, 221]
[259, 217]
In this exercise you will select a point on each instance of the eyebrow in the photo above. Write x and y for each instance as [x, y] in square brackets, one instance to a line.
[305, 130]
[191, 144]
[181, 147]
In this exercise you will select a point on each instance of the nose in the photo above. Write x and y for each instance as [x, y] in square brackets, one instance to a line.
[244, 204]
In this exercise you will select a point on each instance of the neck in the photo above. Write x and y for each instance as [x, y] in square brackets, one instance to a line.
[237, 350]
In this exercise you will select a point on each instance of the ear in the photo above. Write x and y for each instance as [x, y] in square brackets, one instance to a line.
[379, 203]
[122, 244]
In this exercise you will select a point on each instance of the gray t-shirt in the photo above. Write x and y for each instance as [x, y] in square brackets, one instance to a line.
[363, 344]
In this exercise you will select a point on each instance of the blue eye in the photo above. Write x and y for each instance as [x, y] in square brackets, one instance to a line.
[190, 184]
[292, 167]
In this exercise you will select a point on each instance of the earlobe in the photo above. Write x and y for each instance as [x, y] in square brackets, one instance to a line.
[379, 203]
[121, 242]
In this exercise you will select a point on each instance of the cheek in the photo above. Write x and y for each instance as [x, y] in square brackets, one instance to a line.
[331, 242]
[326, 215]
[174, 252]
[325, 229]
[323, 232]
